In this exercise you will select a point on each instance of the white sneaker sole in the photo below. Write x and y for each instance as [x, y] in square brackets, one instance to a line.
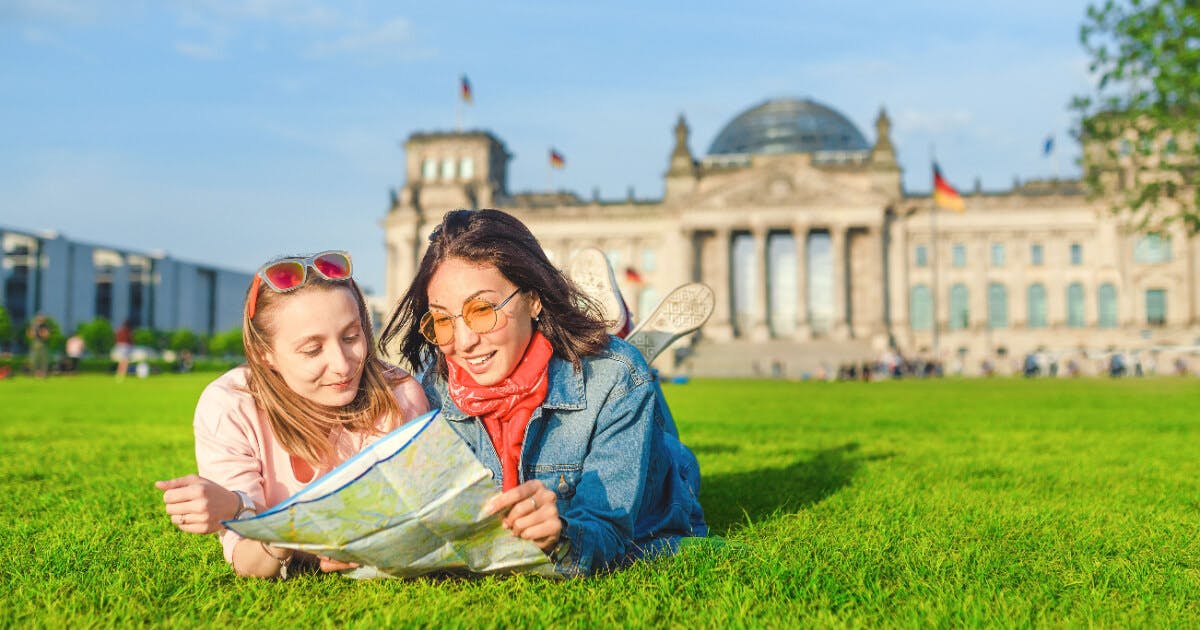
[682, 312]
[590, 271]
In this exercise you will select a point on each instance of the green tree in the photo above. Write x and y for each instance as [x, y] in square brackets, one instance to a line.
[98, 336]
[1139, 125]
[184, 339]
[6, 327]
[57, 340]
[227, 343]
[145, 337]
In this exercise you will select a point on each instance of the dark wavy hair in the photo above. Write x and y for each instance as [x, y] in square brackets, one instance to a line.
[569, 319]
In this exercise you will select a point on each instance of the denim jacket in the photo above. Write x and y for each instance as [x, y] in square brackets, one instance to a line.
[626, 487]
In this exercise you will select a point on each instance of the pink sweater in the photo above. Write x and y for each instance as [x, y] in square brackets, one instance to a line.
[236, 448]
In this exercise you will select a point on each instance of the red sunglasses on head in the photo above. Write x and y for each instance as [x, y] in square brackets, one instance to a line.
[289, 274]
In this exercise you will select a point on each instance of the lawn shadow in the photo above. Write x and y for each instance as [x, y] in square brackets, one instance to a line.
[730, 499]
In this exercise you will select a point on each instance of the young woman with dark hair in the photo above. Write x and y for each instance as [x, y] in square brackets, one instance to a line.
[566, 417]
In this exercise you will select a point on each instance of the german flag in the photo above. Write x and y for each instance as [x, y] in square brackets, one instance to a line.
[556, 159]
[465, 90]
[944, 195]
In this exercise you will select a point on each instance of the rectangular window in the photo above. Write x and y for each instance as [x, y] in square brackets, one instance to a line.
[1156, 307]
[1076, 254]
[1036, 256]
[997, 306]
[959, 255]
[649, 260]
[922, 255]
[997, 254]
[614, 258]
[1151, 249]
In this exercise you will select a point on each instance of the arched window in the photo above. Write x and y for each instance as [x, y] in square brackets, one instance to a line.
[448, 168]
[960, 315]
[1075, 305]
[997, 299]
[1037, 306]
[466, 168]
[920, 307]
[428, 169]
[1106, 302]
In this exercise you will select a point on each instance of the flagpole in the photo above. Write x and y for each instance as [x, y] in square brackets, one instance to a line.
[1055, 156]
[933, 246]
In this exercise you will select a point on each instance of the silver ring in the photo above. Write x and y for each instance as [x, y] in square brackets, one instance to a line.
[534, 502]
[183, 519]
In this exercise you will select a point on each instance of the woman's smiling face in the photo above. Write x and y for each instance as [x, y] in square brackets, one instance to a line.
[490, 356]
[318, 346]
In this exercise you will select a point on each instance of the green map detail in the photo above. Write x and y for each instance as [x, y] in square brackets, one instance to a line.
[404, 507]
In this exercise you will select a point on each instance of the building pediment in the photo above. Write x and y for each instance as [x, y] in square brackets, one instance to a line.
[789, 183]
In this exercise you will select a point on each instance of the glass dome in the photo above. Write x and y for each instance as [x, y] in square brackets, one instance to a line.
[788, 126]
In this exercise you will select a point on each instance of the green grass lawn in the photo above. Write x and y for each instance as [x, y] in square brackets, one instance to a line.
[915, 504]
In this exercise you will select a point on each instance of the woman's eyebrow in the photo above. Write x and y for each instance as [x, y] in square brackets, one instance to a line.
[469, 298]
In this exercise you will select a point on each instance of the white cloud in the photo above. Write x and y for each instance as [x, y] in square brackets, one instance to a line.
[204, 52]
[389, 38]
[323, 30]
[41, 37]
[70, 11]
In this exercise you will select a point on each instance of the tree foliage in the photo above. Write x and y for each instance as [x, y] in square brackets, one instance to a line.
[57, 340]
[146, 337]
[227, 343]
[6, 327]
[184, 339]
[1139, 125]
[98, 336]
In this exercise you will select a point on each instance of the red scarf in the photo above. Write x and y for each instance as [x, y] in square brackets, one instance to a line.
[505, 407]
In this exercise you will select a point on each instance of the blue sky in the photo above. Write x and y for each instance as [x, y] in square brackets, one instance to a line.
[230, 131]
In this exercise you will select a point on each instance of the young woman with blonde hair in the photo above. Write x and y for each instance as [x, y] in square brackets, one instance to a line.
[312, 393]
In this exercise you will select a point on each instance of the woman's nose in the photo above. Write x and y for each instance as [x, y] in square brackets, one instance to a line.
[340, 359]
[464, 337]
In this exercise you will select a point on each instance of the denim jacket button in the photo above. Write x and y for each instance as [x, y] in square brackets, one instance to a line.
[564, 489]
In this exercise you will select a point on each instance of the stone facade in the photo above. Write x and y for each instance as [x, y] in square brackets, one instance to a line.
[817, 248]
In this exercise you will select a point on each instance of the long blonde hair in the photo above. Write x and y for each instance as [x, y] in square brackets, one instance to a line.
[302, 426]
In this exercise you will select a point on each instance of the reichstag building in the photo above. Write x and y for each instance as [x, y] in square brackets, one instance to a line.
[818, 255]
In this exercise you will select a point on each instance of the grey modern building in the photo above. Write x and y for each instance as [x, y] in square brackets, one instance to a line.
[75, 282]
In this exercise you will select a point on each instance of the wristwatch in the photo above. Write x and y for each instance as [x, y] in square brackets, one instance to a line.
[246, 507]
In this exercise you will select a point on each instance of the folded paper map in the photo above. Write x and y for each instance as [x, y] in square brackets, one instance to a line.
[409, 504]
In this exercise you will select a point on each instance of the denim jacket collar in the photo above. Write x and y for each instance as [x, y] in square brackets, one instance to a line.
[565, 391]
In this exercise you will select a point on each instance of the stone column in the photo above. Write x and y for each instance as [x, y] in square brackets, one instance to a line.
[800, 234]
[898, 262]
[837, 248]
[761, 328]
[720, 328]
